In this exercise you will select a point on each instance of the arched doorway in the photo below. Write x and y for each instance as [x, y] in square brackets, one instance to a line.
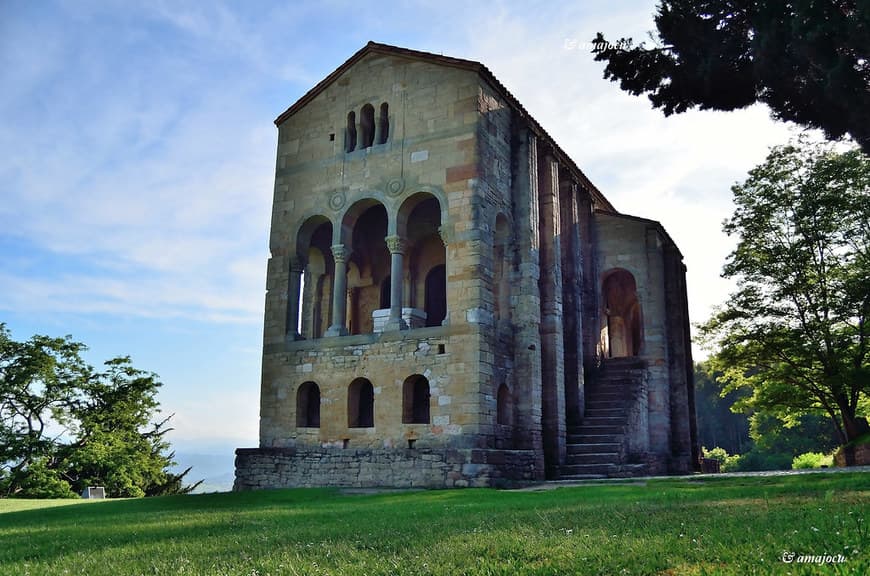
[622, 330]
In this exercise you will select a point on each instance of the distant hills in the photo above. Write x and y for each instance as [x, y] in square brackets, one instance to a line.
[217, 471]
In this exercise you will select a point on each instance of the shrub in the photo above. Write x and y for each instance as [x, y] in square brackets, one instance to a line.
[715, 454]
[41, 481]
[732, 463]
[756, 460]
[811, 460]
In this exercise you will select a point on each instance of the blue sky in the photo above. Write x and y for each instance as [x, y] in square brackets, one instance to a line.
[137, 161]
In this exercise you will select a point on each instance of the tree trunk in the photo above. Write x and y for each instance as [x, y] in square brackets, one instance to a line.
[851, 425]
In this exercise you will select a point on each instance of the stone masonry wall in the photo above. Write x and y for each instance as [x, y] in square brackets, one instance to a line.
[494, 193]
[290, 467]
[444, 355]
[635, 245]
[522, 310]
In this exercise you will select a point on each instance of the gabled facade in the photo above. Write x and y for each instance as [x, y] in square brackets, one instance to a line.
[450, 301]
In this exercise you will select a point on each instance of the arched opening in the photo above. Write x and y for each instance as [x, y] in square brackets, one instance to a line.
[384, 124]
[350, 133]
[415, 400]
[308, 406]
[426, 274]
[360, 404]
[366, 230]
[436, 296]
[315, 293]
[622, 330]
[367, 125]
[504, 406]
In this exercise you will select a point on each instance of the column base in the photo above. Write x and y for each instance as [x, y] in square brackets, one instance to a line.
[335, 331]
[395, 324]
[411, 318]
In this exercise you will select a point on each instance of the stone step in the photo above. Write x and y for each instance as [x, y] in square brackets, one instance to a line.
[611, 391]
[603, 420]
[619, 390]
[593, 448]
[601, 429]
[604, 412]
[579, 437]
[592, 458]
[605, 405]
[587, 469]
[605, 397]
[614, 379]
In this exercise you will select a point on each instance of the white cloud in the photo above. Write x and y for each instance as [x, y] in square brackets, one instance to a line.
[137, 154]
[156, 194]
[677, 170]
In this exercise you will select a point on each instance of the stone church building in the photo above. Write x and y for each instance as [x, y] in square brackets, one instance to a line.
[451, 302]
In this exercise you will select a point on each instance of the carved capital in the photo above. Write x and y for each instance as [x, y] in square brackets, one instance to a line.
[444, 233]
[339, 252]
[395, 244]
[297, 265]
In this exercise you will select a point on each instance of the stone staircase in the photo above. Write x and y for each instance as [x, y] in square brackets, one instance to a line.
[596, 448]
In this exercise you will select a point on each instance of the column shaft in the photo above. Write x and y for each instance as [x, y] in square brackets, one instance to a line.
[443, 233]
[339, 293]
[397, 251]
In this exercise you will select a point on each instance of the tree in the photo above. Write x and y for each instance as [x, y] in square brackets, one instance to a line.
[718, 425]
[809, 61]
[795, 331]
[806, 433]
[65, 426]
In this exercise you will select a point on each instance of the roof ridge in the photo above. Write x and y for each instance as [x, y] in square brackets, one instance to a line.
[473, 65]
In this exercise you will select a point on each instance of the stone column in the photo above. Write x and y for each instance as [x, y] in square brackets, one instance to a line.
[572, 314]
[297, 267]
[339, 293]
[397, 273]
[525, 294]
[552, 339]
[588, 291]
[378, 128]
[443, 234]
[651, 293]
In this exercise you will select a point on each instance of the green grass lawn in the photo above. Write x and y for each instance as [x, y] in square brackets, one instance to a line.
[710, 526]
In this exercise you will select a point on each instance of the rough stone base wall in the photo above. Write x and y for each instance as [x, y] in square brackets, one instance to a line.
[258, 468]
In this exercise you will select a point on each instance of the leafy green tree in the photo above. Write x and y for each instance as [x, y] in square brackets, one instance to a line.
[801, 434]
[718, 425]
[808, 61]
[65, 426]
[795, 332]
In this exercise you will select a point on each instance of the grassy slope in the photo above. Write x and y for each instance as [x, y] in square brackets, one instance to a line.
[737, 526]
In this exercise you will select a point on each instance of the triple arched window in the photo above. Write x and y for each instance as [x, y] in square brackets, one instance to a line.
[361, 403]
[369, 132]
